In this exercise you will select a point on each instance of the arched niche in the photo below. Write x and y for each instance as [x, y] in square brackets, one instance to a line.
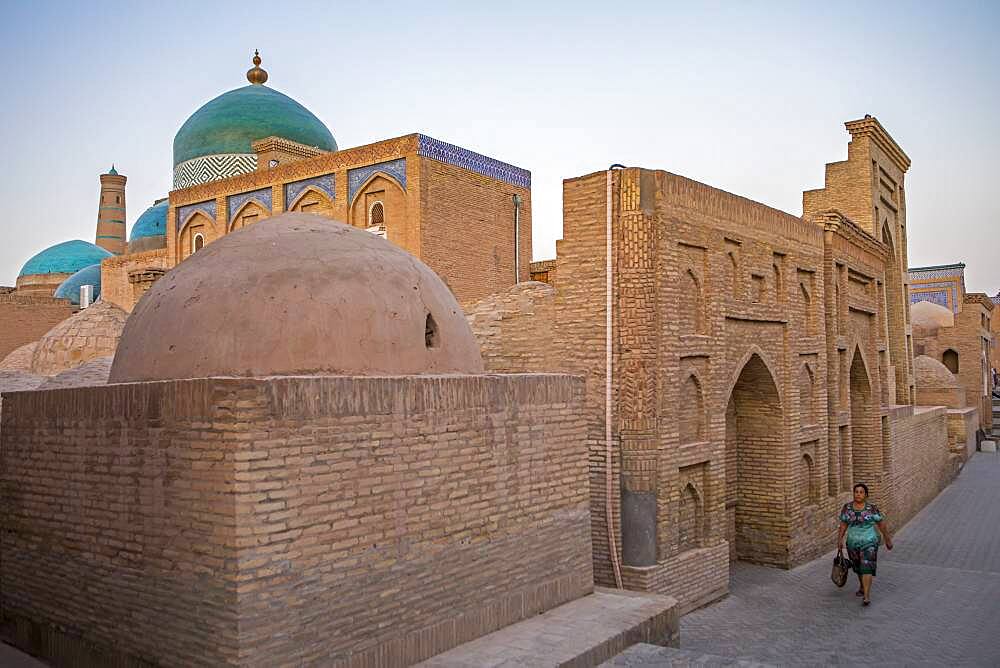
[198, 225]
[754, 442]
[691, 304]
[385, 191]
[950, 359]
[312, 200]
[690, 519]
[692, 411]
[248, 214]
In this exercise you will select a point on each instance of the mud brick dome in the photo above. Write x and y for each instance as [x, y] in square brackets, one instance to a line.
[88, 334]
[932, 374]
[931, 316]
[296, 294]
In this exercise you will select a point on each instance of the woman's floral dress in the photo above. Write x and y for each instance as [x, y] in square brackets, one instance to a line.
[862, 537]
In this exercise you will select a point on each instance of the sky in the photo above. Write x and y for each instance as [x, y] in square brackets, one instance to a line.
[749, 97]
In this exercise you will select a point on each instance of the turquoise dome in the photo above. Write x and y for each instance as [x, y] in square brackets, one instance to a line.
[152, 222]
[70, 288]
[68, 257]
[230, 122]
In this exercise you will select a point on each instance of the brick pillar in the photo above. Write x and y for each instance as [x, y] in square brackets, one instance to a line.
[638, 343]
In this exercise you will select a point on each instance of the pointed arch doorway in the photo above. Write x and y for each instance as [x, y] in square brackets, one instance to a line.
[757, 527]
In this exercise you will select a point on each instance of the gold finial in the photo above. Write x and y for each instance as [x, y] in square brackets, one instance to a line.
[256, 75]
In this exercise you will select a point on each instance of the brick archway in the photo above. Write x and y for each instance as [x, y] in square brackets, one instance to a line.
[755, 509]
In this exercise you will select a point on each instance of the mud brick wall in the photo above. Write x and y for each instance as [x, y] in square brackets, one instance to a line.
[922, 462]
[962, 425]
[331, 521]
[25, 318]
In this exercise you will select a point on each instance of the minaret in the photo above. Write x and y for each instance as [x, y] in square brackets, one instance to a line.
[111, 213]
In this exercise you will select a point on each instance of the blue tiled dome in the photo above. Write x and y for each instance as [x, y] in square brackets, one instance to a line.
[68, 257]
[230, 122]
[70, 288]
[152, 222]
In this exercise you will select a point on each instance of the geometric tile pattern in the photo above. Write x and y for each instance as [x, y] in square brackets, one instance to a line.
[184, 213]
[325, 183]
[428, 147]
[939, 297]
[212, 168]
[262, 197]
[393, 169]
[936, 293]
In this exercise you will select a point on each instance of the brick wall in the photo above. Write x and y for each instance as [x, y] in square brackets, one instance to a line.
[922, 462]
[467, 230]
[115, 284]
[393, 518]
[25, 318]
[962, 426]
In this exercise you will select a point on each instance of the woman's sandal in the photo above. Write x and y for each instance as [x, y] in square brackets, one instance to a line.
[866, 601]
[860, 592]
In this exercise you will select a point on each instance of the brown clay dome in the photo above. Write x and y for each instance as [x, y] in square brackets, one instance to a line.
[931, 316]
[296, 294]
[932, 374]
[86, 335]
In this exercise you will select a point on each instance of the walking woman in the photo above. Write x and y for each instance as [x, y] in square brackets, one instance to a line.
[859, 521]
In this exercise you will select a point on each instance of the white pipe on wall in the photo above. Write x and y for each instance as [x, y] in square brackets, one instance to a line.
[608, 474]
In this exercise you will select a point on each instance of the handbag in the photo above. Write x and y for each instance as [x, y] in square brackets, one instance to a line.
[841, 565]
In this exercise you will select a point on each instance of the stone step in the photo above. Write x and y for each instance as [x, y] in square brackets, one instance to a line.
[578, 634]
[651, 656]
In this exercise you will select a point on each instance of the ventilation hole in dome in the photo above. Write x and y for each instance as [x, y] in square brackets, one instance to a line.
[431, 337]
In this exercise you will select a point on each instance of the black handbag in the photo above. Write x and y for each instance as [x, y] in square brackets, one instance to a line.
[841, 566]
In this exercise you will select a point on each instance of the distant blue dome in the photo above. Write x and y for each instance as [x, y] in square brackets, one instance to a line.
[70, 288]
[152, 222]
[68, 257]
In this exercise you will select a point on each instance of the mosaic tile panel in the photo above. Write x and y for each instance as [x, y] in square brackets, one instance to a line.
[429, 147]
[262, 197]
[184, 213]
[212, 168]
[917, 293]
[394, 169]
[939, 297]
[326, 183]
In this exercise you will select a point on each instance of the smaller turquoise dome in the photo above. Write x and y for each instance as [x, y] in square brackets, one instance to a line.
[70, 288]
[152, 222]
[68, 257]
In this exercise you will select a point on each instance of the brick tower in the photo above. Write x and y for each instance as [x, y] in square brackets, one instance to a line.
[111, 213]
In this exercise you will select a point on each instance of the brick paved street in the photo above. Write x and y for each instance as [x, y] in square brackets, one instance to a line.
[936, 600]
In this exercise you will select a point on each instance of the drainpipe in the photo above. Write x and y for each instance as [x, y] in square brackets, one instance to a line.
[608, 474]
[517, 239]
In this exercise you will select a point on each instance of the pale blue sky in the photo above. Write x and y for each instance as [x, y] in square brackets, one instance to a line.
[748, 97]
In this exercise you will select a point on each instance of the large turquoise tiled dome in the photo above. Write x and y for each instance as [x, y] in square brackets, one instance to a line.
[228, 124]
[152, 222]
[68, 257]
[70, 288]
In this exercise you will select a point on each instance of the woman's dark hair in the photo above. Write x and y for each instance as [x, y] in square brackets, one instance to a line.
[862, 486]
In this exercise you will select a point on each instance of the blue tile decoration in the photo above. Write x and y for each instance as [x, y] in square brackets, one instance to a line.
[262, 197]
[326, 183]
[185, 212]
[393, 169]
[939, 297]
[428, 147]
[944, 288]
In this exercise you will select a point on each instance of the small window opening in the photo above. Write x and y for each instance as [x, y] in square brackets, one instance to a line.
[431, 337]
[376, 216]
[118, 199]
[197, 243]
